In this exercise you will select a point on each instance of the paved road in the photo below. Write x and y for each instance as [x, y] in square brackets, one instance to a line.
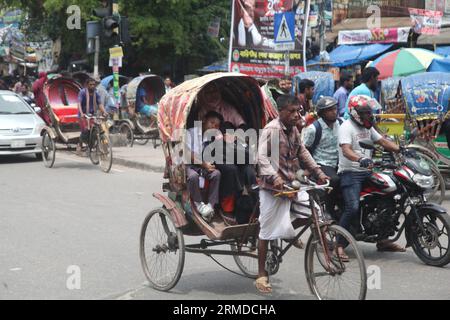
[75, 215]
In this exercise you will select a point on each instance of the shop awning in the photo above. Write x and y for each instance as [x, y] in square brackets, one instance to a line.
[346, 55]
[443, 51]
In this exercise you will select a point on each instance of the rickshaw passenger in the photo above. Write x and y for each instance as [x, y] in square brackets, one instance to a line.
[210, 99]
[196, 174]
[145, 101]
[234, 176]
[274, 218]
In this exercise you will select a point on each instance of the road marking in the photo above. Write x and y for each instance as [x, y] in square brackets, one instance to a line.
[15, 269]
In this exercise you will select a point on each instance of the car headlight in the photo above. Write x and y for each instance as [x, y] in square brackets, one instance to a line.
[423, 181]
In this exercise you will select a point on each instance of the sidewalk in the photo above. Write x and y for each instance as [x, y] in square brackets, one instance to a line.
[140, 157]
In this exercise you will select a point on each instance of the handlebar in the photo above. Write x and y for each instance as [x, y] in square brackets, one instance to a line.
[89, 117]
[310, 185]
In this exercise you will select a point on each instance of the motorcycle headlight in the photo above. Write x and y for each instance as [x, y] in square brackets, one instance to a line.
[109, 123]
[423, 181]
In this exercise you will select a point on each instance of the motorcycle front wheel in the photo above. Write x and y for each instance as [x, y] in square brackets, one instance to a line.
[431, 243]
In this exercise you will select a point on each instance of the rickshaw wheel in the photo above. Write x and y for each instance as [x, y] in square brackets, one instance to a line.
[105, 153]
[162, 250]
[336, 280]
[247, 265]
[93, 146]
[125, 130]
[48, 150]
[142, 142]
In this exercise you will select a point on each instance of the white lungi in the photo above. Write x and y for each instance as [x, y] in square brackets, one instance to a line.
[274, 217]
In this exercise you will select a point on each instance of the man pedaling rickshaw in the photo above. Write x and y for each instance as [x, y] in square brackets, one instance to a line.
[274, 218]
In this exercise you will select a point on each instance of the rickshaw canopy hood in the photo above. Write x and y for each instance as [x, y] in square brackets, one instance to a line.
[175, 106]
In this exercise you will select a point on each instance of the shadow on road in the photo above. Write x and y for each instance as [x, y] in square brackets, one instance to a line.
[18, 159]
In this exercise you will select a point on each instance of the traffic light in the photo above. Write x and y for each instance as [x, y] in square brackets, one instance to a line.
[110, 22]
[110, 25]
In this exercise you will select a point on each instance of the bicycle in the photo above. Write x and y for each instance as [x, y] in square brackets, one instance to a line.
[324, 267]
[99, 147]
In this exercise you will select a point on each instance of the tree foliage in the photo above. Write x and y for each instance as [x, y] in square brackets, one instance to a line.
[169, 36]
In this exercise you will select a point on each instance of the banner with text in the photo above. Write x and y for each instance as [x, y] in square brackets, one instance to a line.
[252, 49]
[380, 35]
[426, 21]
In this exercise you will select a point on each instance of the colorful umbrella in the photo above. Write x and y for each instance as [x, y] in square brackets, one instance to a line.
[403, 62]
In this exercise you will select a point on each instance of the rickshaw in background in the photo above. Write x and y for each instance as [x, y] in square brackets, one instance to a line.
[80, 77]
[144, 127]
[162, 246]
[427, 97]
[421, 101]
[64, 131]
[122, 124]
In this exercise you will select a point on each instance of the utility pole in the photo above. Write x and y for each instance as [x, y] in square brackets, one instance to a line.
[115, 67]
[322, 25]
[305, 30]
[96, 54]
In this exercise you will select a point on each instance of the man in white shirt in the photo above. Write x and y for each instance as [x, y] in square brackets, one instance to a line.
[355, 163]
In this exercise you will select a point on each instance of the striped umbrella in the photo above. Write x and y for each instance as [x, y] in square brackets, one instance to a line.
[403, 62]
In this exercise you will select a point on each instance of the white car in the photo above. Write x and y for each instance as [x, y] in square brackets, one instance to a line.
[20, 126]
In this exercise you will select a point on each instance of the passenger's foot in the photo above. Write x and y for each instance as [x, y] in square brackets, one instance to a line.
[389, 246]
[228, 219]
[205, 210]
[341, 255]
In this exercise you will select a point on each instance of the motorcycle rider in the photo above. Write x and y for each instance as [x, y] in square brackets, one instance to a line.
[320, 138]
[355, 163]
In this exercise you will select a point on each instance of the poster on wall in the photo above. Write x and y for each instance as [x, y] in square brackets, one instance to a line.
[252, 49]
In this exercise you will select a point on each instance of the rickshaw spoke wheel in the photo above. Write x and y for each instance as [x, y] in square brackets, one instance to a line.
[247, 265]
[105, 153]
[48, 150]
[328, 276]
[93, 146]
[126, 131]
[162, 250]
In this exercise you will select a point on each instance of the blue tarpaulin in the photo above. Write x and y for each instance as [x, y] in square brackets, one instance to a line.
[440, 65]
[219, 66]
[105, 81]
[346, 55]
[323, 83]
[443, 51]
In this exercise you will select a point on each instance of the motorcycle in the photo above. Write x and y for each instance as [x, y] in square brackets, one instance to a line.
[396, 188]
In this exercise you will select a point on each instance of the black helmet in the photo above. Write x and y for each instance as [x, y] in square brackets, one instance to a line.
[326, 103]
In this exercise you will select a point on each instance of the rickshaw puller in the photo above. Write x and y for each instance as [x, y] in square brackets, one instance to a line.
[274, 219]
[87, 97]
